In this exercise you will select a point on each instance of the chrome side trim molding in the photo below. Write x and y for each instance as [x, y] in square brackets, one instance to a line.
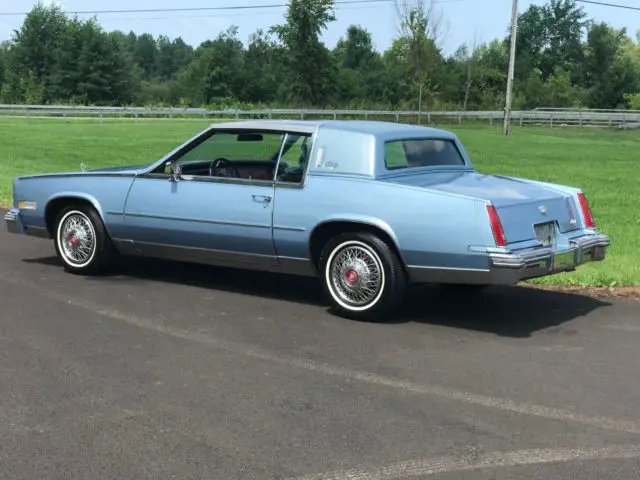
[297, 266]
[289, 229]
[219, 258]
[207, 256]
[125, 247]
[197, 220]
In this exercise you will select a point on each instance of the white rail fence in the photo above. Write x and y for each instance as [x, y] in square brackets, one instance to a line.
[550, 117]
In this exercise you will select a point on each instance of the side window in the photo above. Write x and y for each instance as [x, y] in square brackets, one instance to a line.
[293, 164]
[247, 155]
[394, 155]
[421, 152]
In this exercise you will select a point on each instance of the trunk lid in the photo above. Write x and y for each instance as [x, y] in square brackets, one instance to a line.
[520, 205]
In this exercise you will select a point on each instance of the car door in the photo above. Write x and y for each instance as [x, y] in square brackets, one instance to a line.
[217, 210]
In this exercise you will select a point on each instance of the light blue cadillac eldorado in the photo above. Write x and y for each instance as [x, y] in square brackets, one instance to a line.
[368, 207]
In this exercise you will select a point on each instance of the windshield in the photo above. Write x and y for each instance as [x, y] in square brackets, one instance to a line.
[428, 152]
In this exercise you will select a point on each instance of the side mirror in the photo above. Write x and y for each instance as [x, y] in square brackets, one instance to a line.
[176, 172]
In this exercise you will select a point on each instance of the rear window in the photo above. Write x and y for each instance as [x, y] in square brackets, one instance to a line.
[428, 152]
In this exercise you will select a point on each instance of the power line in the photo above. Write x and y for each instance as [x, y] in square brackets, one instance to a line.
[200, 9]
[615, 5]
[226, 15]
[279, 5]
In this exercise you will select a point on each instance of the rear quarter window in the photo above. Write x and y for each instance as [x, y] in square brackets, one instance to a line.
[429, 152]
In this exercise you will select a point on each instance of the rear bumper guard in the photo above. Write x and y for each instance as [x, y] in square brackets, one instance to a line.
[12, 221]
[538, 262]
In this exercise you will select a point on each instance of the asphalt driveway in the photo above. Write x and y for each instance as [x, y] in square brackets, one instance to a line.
[176, 371]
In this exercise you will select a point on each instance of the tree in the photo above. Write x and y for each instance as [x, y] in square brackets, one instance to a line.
[3, 61]
[464, 63]
[549, 36]
[359, 67]
[634, 100]
[171, 56]
[65, 75]
[263, 59]
[54, 58]
[217, 70]
[356, 51]
[421, 31]
[310, 73]
[104, 77]
[33, 53]
[611, 68]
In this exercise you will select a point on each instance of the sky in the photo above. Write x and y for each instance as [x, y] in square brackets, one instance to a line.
[465, 20]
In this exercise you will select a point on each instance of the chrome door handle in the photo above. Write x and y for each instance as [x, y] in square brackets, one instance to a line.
[265, 199]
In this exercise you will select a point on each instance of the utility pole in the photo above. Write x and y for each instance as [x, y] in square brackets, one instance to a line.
[512, 66]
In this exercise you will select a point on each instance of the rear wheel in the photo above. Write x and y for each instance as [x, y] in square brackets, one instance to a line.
[81, 241]
[362, 276]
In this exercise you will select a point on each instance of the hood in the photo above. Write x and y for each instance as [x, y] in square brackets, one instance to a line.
[125, 168]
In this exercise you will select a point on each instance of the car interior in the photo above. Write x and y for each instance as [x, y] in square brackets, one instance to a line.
[249, 156]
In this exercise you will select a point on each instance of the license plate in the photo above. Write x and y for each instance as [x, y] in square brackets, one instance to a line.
[546, 233]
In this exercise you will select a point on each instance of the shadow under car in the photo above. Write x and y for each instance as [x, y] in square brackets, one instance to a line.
[504, 311]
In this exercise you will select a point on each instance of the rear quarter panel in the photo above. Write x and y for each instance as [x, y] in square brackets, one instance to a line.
[431, 229]
[107, 193]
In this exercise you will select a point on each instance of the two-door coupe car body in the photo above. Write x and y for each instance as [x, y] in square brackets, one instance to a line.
[368, 207]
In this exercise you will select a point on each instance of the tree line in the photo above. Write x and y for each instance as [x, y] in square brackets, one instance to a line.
[563, 59]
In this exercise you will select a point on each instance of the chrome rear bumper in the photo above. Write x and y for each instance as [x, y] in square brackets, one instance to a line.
[538, 262]
[515, 266]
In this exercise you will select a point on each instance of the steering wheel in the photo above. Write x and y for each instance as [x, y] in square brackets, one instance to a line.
[216, 164]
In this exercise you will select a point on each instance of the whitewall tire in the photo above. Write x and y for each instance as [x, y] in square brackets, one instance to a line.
[362, 276]
[81, 241]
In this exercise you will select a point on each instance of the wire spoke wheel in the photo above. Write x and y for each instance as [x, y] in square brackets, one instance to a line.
[77, 239]
[355, 275]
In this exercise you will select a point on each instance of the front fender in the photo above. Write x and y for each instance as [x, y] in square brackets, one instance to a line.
[78, 195]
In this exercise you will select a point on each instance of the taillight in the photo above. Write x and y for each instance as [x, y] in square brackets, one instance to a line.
[496, 226]
[586, 211]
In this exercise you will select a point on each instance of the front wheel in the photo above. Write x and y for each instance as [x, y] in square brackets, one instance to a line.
[81, 241]
[362, 276]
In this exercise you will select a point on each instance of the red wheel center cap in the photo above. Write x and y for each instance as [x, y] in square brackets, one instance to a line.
[73, 240]
[351, 276]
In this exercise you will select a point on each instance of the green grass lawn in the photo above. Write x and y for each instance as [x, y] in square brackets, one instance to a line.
[604, 164]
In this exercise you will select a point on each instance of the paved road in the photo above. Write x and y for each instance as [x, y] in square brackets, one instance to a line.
[173, 371]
